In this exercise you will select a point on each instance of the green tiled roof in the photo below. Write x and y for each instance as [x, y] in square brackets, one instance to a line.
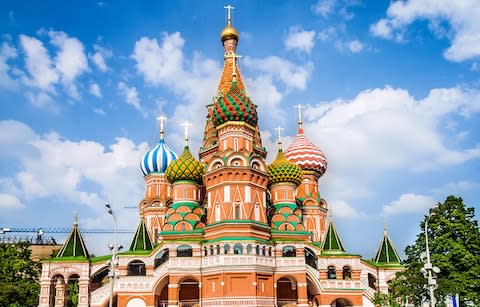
[141, 240]
[386, 252]
[332, 242]
[74, 246]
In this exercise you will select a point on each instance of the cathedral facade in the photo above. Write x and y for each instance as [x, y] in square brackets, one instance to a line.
[225, 229]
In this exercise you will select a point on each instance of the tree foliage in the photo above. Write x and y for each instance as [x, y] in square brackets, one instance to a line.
[19, 286]
[454, 242]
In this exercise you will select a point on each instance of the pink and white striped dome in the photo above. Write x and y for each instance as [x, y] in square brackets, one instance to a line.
[306, 155]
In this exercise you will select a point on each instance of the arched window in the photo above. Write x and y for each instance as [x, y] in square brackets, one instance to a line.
[264, 251]
[270, 251]
[184, 251]
[249, 249]
[332, 272]
[226, 249]
[289, 251]
[218, 249]
[205, 251]
[257, 212]
[161, 258]
[372, 281]
[257, 249]
[238, 249]
[347, 273]
[237, 212]
[136, 268]
[211, 250]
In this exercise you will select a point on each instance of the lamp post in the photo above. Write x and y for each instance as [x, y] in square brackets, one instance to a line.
[428, 269]
[114, 248]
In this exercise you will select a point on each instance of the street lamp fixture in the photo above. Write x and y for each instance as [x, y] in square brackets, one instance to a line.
[428, 270]
[114, 248]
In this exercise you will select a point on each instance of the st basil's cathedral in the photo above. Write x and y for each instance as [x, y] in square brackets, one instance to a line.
[226, 229]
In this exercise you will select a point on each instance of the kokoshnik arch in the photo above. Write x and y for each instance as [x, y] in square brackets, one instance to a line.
[226, 229]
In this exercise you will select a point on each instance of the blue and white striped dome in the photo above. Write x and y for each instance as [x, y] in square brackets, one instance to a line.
[157, 159]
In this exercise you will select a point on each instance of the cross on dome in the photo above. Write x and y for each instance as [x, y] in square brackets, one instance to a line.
[234, 57]
[229, 9]
[162, 119]
[299, 107]
[279, 138]
[185, 126]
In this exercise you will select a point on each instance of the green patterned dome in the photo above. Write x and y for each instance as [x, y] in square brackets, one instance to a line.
[186, 167]
[282, 170]
[235, 105]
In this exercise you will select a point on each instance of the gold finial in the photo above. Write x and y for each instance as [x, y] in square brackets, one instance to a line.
[185, 125]
[162, 120]
[385, 228]
[300, 107]
[279, 139]
[229, 31]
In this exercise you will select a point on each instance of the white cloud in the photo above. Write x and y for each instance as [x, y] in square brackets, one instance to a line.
[7, 52]
[327, 34]
[8, 201]
[353, 46]
[54, 167]
[324, 7]
[41, 100]
[95, 90]
[39, 64]
[163, 64]
[299, 39]
[456, 187]
[475, 66]
[130, 94]
[463, 18]
[383, 131]
[292, 75]
[409, 203]
[100, 56]
[342, 209]
[70, 60]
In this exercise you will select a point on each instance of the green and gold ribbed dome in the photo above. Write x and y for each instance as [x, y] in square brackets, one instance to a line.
[282, 170]
[186, 167]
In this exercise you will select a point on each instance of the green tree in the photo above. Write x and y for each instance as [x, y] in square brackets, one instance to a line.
[19, 286]
[454, 242]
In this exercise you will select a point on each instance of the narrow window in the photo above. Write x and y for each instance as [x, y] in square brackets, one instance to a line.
[289, 251]
[347, 273]
[237, 212]
[332, 273]
[235, 144]
[238, 249]
[226, 248]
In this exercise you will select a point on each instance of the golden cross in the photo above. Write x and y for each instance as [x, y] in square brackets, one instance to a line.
[279, 131]
[299, 107]
[185, 125]
[229, 9]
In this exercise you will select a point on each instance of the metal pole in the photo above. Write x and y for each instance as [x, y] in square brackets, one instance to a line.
[428, 266]
[113, 261]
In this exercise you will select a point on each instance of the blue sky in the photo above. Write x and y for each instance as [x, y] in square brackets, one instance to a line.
[391, 89]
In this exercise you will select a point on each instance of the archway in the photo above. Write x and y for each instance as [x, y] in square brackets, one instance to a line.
[286, 291]
[341, 302]
[313, 291]
[72, 291]
[57, 289]
[188, 293]
[99, 279]
[136, 302]
[161, 292]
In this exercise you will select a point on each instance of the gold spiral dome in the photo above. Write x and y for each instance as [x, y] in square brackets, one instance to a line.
[229, 32]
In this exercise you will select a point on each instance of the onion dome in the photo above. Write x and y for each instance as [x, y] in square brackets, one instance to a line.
[157, 159]
[282, 170]
[235, 105]
[306, 155]
[186, 167]
[228, 33]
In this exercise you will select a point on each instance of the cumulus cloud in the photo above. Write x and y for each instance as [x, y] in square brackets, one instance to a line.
[409, 203]
[83, 172]
[463, 18]
[100, 56]
[299, 39]
[383, 131]
[95, 90]
[343, 209]
[324, 8]
[41, 100]
[130, 94]
[353, 46]
[7, 52]
[8, 201]
[162, 63]
[38, 63]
